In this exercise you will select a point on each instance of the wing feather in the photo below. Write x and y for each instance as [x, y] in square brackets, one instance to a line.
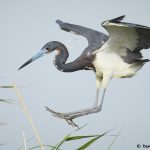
[127, 39]
[95, 38]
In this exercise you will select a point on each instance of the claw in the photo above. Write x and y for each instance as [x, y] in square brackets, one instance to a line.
[67, 117]
[73, 124]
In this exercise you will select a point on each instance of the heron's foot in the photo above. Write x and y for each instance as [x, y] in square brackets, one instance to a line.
[72, 115]
[67, 117]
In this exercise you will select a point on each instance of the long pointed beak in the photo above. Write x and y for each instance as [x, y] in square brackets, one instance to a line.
[38, 55]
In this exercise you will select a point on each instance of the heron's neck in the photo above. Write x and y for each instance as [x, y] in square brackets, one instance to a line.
[61, 58]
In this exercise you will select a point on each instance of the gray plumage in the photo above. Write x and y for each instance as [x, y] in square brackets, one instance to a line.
[94, 37]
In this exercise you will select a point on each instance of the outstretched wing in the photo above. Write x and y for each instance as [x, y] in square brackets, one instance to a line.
[127, 39]
[95, 39]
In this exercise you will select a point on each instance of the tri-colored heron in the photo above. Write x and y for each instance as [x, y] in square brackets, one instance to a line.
[115, 56]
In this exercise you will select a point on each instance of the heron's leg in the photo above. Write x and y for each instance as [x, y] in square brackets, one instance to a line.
[72, 115]
[98, 83]
[87, 111]
[96, 108]
[105, 82]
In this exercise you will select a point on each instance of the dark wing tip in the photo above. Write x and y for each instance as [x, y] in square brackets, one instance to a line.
[118, 19]
[63, 25]
[59, 22]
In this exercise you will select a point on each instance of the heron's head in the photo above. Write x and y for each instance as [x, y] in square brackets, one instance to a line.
[46, 49]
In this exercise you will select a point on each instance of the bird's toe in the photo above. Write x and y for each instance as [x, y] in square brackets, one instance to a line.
[66, 116]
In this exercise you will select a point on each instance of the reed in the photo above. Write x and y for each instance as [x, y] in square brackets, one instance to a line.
[28, 115]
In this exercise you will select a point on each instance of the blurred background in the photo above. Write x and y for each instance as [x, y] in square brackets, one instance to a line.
[25, 26]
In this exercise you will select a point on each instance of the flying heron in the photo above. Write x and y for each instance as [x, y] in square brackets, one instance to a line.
[115, 56]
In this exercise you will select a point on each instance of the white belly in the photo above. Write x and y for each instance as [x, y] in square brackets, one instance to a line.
[110, 63]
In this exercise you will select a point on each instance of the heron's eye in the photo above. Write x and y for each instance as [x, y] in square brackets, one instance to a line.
[47, 48]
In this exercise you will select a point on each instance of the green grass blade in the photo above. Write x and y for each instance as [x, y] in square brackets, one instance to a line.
[90, 142]
[65, 138]
[61, 142]
[114, 139]
[83, 147]
[6, 86]
[7, 101]
[80, 137]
